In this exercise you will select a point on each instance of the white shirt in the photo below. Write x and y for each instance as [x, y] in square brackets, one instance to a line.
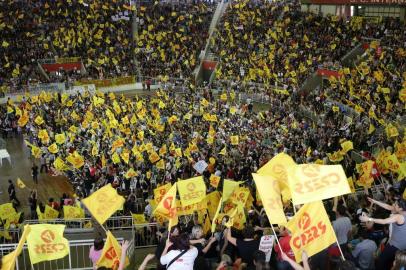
[185, 262]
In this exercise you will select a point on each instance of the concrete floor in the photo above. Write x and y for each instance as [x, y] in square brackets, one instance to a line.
[20, 167]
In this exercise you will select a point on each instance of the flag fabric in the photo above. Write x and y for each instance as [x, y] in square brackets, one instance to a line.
[111, 253]
[351, 183]
[72, 212]
[313, 182]
[7, 211]
[269, 191]
[212, 200]
[277, 167]
[160, 192]
[49, 213]
[20, 183]
[347, 146]
[167, 206]
[311, 230]
[228, 188]
[213, 222]
[46, 243]
[9, 260]
[76, 160]
[138, 218]
[240, 196]
[192, 190]
[103, 203]
[214, 180]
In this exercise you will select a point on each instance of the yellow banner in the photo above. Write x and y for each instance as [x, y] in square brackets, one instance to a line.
[72, 212]
[6, 211]
[228, 188]
[212, 200]
[311, 230]
[46, 243]
[269, 191]
[190, 209]
[313, 182]
[111, 253]
[160, 192]
[192, 190]
[167, 207]
[240, 196]
[104, 203]
[278, 167]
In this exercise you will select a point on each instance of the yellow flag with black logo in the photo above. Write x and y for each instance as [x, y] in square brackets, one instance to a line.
[111, 253]
[192, 190]
[269, 191]
[311, 230]
[103, 203]
[46, 243]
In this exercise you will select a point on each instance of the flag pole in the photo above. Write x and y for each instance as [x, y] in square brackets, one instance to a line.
[338, 245]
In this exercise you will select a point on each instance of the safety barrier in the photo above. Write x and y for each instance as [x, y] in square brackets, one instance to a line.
[78, 257]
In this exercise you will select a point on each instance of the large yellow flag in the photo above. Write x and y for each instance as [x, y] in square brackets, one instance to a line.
[228, 188]
[269, 191]
[278, 167]
[213, 222]
[311, 230]
[76, 160]
[103, 203]
[46, 243]
[192, 190]
[313, 182]
[111, 253]
[9, 260]
[240, 196]
[72, 212]
[167, 207]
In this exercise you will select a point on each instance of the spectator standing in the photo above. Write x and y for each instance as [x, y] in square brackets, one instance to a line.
[12, 193]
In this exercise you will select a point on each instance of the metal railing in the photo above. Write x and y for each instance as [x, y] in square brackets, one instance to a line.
[78, 257]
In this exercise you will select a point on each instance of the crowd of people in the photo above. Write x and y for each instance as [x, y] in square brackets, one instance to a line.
[277, 43]
[138, 144]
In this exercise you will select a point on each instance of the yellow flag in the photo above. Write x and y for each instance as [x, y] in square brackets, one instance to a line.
[239, 196]
[351, 183]
[223, 151]
[9, 260]
[213, 223]
[53, 148]
[313, 182]
[23, 120]
[212, 200]
[336, 156]
[111, 253]
[103, 203]
[392, 163]
[130, 173]
[269, 191]
[223, 97]
[38, 120]
[46, 243]
[138, 218]
[20, 183]
[228, 188]
[115, 158]
[154, 157]
[347, 146]
[192, 190]
[161, 164]
[167, 207]
[60, 165]
[311, 230]
[234, 140]
[50, 213]
[278, 167]
[72, 212]
[214, 180]
[160, 192]
[7, 211]
[391, 131]
[60, 138]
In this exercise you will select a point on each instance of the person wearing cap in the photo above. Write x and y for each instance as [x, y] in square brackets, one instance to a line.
[398, 238]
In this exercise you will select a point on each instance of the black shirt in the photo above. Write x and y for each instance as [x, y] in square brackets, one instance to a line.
[246, 250]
